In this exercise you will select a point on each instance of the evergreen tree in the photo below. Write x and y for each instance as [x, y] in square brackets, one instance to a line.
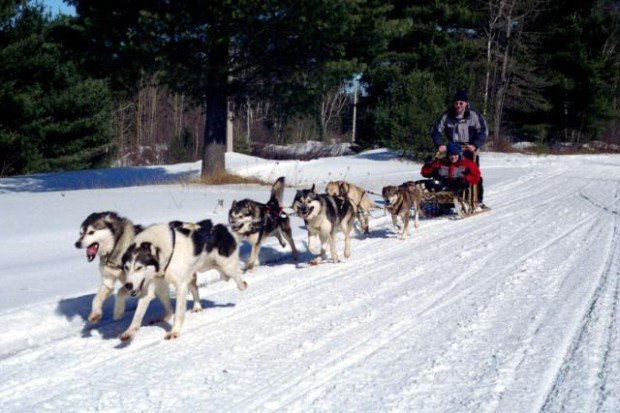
[53, 118]
[437, 52]
[581, 53]
[214, 51]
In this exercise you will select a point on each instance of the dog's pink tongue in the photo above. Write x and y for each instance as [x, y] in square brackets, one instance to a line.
[92, 250]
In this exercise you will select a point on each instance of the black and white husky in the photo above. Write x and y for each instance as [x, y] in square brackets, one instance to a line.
[107, 235]
[255, 222]
[173, 253]
[324, 215]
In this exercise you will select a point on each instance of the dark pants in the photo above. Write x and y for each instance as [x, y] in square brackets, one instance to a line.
[456, 185]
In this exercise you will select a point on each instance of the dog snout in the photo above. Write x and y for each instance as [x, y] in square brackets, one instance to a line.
[78, 244]
[129, 286]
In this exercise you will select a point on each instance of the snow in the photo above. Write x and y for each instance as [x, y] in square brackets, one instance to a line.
[515, 310]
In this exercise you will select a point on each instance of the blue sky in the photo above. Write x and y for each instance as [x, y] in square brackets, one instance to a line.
[58, 6]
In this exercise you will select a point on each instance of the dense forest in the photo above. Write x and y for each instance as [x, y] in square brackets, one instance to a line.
[158, 81]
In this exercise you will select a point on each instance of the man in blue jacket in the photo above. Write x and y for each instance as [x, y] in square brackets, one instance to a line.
[464, 126]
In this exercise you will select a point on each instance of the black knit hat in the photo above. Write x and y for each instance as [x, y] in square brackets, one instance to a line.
[460, 95]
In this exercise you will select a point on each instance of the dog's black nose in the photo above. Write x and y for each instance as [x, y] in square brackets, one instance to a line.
[129, 286]
[78, 244]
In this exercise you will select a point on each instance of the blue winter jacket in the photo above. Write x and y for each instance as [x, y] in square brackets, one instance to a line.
[470, 129]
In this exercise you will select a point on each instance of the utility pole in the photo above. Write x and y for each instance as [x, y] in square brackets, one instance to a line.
[229, 129]
[354, 121]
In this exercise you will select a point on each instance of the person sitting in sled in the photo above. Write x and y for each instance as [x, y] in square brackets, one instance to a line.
[463, 125]
[454, 171]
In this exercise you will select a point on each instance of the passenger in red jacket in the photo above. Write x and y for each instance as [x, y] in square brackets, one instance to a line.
[455, 171]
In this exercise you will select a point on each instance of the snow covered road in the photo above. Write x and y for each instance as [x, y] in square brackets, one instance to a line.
[515, 310]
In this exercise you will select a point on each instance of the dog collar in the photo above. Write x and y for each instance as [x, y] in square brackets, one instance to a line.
[113, 265]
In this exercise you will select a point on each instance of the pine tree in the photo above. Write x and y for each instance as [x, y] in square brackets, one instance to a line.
[53, 118]
[437, 51]
[215, 51]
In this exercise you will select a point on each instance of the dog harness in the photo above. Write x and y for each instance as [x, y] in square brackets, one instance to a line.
[396, 208]
[174, 241]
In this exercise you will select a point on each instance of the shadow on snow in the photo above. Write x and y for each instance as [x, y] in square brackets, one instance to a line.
[108, 328]
[92, 179]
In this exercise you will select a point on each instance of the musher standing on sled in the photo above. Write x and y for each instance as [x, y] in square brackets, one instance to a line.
[462, 125]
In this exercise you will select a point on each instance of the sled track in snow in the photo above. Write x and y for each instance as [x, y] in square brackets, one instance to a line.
[608, 288]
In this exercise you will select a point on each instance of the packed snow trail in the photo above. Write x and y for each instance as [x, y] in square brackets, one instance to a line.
[513, 310]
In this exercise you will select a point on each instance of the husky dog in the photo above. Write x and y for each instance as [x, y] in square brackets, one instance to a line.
[324, 215]
[399, 200]
[358, 198]
[107, 235]
[173, 253]
[255, 222]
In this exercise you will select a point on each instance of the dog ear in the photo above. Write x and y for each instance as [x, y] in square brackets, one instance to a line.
[127, 254]
[234, 203]
[312, 189]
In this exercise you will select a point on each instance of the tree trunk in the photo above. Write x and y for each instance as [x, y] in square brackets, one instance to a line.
[213, 154]
[215, 130]
[495, 12]
[501, 92]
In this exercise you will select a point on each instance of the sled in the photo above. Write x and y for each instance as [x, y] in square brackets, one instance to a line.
[438, 201]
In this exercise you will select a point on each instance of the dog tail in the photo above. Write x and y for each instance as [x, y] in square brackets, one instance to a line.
[277, 190]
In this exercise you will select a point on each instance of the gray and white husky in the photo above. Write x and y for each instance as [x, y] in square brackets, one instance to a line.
[107, 235]
[173, 253]
[324, 215]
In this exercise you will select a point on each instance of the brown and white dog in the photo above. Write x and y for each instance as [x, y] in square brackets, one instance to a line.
[362, 204]
[399, 200]
[324, 215]
[107, 235]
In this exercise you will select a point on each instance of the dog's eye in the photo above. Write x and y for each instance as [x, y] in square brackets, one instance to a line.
[91, 232]
[139, 268]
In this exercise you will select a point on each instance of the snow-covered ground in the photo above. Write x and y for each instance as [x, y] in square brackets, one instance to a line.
[515, 310]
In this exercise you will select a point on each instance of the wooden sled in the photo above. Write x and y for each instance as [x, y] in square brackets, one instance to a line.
[438, 203]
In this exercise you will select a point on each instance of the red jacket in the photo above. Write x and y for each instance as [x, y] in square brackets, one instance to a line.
[443, 168]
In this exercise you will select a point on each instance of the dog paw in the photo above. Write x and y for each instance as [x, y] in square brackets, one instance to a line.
[127, 335]
[196, 309]
[95, 317]
[243, 286]
[171, 335]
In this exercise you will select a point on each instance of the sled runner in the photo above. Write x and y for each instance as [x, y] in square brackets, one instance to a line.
[439, 200]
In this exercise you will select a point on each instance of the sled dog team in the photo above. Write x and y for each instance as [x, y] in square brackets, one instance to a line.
[147, 260]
